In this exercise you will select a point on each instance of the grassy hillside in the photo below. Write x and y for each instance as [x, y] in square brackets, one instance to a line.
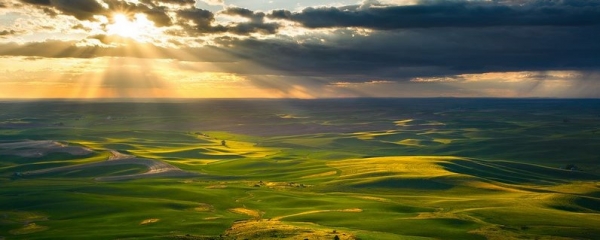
[360, 170]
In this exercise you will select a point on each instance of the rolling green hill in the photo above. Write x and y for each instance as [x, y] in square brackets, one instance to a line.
[430, 172]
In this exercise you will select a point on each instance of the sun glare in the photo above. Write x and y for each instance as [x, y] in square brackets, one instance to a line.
[137, 28]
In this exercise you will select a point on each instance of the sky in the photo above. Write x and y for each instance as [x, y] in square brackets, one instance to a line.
[299, 49]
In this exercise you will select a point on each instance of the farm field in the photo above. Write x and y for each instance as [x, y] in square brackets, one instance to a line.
[300, 169]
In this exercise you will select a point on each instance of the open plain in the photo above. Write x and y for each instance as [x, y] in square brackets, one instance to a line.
[300, 169]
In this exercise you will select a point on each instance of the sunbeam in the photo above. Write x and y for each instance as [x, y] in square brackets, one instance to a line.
[332, 119]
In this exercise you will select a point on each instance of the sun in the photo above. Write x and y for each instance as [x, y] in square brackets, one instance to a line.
[137, 27]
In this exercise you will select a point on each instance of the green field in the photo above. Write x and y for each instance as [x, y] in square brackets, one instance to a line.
[379, 169]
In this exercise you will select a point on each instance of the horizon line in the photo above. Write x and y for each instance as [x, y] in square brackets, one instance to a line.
[167, 99]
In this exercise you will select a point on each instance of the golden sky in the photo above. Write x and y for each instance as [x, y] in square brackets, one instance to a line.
[298, 49]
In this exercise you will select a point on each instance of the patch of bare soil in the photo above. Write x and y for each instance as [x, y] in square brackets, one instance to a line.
[269, 229]
[116, 155]
[155, 168]
[149, 221]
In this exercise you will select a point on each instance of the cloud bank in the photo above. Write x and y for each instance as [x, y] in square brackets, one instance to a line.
[350, 44]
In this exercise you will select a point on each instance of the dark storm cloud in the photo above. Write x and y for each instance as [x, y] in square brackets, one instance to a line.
[256, 22]
[247, 13]
[389, 55]
[441, 39]
[429, 52]
[449, 14]
[86, 9]
[159, 16]
[7, 32]
[253, 27]
[80, 9]
[127, 48]
[203, 22]
[49, 11]
[177, 2]
[436, 38]
[38, 2]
